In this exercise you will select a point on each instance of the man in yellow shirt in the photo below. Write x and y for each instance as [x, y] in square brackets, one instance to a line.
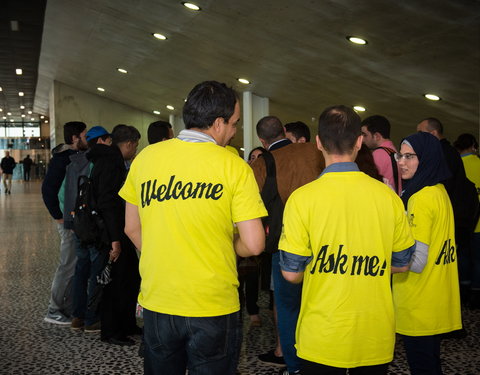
[343, 235]
[184, 196]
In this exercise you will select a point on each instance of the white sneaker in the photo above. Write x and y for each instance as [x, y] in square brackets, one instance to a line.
[57, 318]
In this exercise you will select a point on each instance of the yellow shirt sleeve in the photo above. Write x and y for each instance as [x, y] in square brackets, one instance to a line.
[295, 238]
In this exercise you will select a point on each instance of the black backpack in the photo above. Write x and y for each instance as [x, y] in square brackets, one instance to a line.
[88, 225]
[274, 205]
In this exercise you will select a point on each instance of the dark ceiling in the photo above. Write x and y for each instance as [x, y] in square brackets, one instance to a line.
[21, 25]
[294, 53]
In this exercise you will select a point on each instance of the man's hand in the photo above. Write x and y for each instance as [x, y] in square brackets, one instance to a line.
[115, 251]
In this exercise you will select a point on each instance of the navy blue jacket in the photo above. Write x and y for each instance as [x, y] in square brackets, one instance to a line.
[54, 178]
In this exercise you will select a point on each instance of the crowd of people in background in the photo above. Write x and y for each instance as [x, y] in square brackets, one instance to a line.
[189, 234]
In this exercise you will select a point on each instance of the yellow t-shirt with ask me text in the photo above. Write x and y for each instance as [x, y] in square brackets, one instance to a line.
[428, 303]
[350, 224]
[472, 169]
[188, 196]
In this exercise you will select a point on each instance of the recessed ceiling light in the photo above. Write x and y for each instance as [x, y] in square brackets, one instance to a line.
[156, 112]
[170, 107]
[356, 40]
[29, 112]
[42, 117]
[22, 107]
[359, 108]
[46, 121]
[4, 117]
[21, 93]
[19, 72]
[432, 97]
[190, 6]
[14, 25]
[1, 89]
[9, 113]
[32, 119]
[244, 81]
[11, 120]
[1, 109]
[100, 89]
[23, 115]
[121, 70]
[159, 36]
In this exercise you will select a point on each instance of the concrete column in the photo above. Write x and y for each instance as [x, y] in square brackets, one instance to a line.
[254, 108]
[177, 123]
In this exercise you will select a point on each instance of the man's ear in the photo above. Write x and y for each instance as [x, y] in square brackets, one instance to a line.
[264, 143]
[319, 143]
[359, 141]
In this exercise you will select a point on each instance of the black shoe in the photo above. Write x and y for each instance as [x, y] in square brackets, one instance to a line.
[123, 341]
[270, 357]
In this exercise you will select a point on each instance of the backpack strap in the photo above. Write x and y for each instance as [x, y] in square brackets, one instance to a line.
[271, 175]
[391, 153]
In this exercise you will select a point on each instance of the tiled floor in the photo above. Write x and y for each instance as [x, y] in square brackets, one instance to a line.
[28, 257]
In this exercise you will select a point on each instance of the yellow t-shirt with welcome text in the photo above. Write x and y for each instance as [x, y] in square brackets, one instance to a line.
[472, 169]
[428, 303]
[350, 224]
[188, 197]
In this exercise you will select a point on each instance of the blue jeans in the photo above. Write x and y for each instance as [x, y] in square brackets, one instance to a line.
[206, 345]
[90, 263]
[288, 297]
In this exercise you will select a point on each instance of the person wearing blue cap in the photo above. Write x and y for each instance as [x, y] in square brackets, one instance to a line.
[109, 154]
[90, 260]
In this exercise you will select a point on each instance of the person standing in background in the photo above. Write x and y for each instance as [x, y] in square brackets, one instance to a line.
[7, 164]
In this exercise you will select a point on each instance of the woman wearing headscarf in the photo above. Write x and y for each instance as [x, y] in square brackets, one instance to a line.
[427, 300]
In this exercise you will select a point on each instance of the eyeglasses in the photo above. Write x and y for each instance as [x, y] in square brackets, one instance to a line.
[408, 156]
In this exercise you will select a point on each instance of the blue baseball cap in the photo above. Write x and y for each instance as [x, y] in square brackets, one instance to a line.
[95, 132]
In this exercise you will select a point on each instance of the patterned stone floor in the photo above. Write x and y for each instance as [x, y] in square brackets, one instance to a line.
[28, 257]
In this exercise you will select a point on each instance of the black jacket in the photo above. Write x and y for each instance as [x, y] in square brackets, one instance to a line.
[461, 192]
[108, 176]
[7, 164]
[54, 178]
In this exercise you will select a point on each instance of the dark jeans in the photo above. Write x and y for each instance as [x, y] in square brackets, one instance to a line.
[90, 262]
[423, 354]
[206, 346]
[288, 297]
[312, 368]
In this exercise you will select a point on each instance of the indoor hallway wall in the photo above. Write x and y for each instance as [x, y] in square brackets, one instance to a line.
[71, 104]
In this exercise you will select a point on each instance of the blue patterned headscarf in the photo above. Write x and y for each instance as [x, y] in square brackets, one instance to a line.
[432, 167]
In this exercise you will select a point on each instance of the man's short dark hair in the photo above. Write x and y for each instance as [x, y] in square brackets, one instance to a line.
[124, 133]
[434, 124]
[338, 129]
[270, 128]
[208, 101]
[465, 141]
[72, 128]
[378, 124]
[158, 131]
[298, 129]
